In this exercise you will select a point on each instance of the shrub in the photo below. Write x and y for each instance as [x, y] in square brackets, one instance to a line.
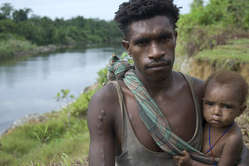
[212, 25]
[80, 105]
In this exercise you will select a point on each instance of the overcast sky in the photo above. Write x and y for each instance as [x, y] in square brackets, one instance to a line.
[103, 9]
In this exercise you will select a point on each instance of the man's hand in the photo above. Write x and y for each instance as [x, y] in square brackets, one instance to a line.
[184, 160]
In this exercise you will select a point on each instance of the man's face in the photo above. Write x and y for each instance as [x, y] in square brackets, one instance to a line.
[151, 43]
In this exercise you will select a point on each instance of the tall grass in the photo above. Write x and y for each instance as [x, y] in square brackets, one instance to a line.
[235, 50]
[48, 141]
[61, 138]
[14, 47]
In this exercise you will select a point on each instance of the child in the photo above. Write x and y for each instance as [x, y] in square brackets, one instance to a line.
[224, 100]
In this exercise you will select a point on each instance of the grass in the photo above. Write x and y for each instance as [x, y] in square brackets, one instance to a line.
[236, 50]
[33, 143]
[59, 139]
[12, 47]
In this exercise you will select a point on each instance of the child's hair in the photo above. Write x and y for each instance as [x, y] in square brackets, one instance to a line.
[230, 78]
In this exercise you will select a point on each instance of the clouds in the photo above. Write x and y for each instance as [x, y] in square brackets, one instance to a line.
[103, 9]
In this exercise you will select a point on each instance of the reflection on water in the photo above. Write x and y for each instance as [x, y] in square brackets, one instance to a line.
[30, 85]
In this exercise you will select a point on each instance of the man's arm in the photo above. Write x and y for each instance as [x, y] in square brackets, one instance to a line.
[244, 157]
[100, 120]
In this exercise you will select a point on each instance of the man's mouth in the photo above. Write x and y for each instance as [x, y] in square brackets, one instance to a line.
[158, 65]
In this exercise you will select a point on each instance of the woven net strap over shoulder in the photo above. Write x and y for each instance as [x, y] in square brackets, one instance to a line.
[117, 68]
[197, 138]
[122, 109]
[190, 83]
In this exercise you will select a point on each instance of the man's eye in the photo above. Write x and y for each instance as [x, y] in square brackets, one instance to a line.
[142, 42]
[164, 39]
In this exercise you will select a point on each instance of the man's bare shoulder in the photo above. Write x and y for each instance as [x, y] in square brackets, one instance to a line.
[104, 103]
[105, 98]
[199, 87]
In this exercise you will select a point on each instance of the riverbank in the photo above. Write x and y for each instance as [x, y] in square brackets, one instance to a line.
[56, 138]
[14, 48]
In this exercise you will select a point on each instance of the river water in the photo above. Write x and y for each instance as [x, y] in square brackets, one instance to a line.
[30, 86]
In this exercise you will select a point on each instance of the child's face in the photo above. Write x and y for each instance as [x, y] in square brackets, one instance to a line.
[221, 105]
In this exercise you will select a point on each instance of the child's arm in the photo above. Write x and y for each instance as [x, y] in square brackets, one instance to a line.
[231, 151]
[186, 160]
[230, 154]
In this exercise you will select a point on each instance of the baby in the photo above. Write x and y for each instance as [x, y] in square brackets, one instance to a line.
[224, 100]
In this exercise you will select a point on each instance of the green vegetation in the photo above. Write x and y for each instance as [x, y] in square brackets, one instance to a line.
[228, 56]
[214, 24]
[237, 50]
[46, 141]
[54, 138]
[42, 31]
[12, 47]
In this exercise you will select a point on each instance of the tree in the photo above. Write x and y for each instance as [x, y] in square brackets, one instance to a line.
[6, 10]
[21, 15]
[196, 4]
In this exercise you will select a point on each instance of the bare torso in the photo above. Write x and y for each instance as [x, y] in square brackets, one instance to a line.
[177, 105]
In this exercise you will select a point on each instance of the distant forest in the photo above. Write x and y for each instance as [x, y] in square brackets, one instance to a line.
[21, 25]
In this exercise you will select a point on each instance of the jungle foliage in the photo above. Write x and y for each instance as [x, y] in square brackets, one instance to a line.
[24, 25]
[207, 26]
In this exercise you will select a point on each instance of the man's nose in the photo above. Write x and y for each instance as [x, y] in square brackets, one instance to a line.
[156, 52]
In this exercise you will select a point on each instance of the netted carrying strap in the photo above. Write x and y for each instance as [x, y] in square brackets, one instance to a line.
[122, 109]
[156, 122]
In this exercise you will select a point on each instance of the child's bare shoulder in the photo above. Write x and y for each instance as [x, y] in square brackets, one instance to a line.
[234, 138]
[235, 133]
[233, 147]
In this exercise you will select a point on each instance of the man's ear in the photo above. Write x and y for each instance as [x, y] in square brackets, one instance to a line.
[175, 33]
[126, 44]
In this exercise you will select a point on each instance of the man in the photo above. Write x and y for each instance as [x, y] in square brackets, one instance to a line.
[119, 121]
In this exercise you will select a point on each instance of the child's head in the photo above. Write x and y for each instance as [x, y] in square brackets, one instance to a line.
[224, 99]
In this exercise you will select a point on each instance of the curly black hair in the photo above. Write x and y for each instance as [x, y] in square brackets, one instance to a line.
[135, 10]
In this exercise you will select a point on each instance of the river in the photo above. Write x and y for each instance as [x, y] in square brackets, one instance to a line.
[29, 86]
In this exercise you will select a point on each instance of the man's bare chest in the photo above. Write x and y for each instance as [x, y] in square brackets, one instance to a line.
[179, 111]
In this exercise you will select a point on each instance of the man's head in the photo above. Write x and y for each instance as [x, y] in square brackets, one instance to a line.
[150, 36]
[136, 10]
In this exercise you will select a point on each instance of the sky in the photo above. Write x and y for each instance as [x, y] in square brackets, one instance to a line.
[102, 9]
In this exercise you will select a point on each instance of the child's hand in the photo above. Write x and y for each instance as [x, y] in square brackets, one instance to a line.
[184, 160]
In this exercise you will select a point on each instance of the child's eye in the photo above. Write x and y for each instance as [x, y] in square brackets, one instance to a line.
[227, 106]
[209, 103]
